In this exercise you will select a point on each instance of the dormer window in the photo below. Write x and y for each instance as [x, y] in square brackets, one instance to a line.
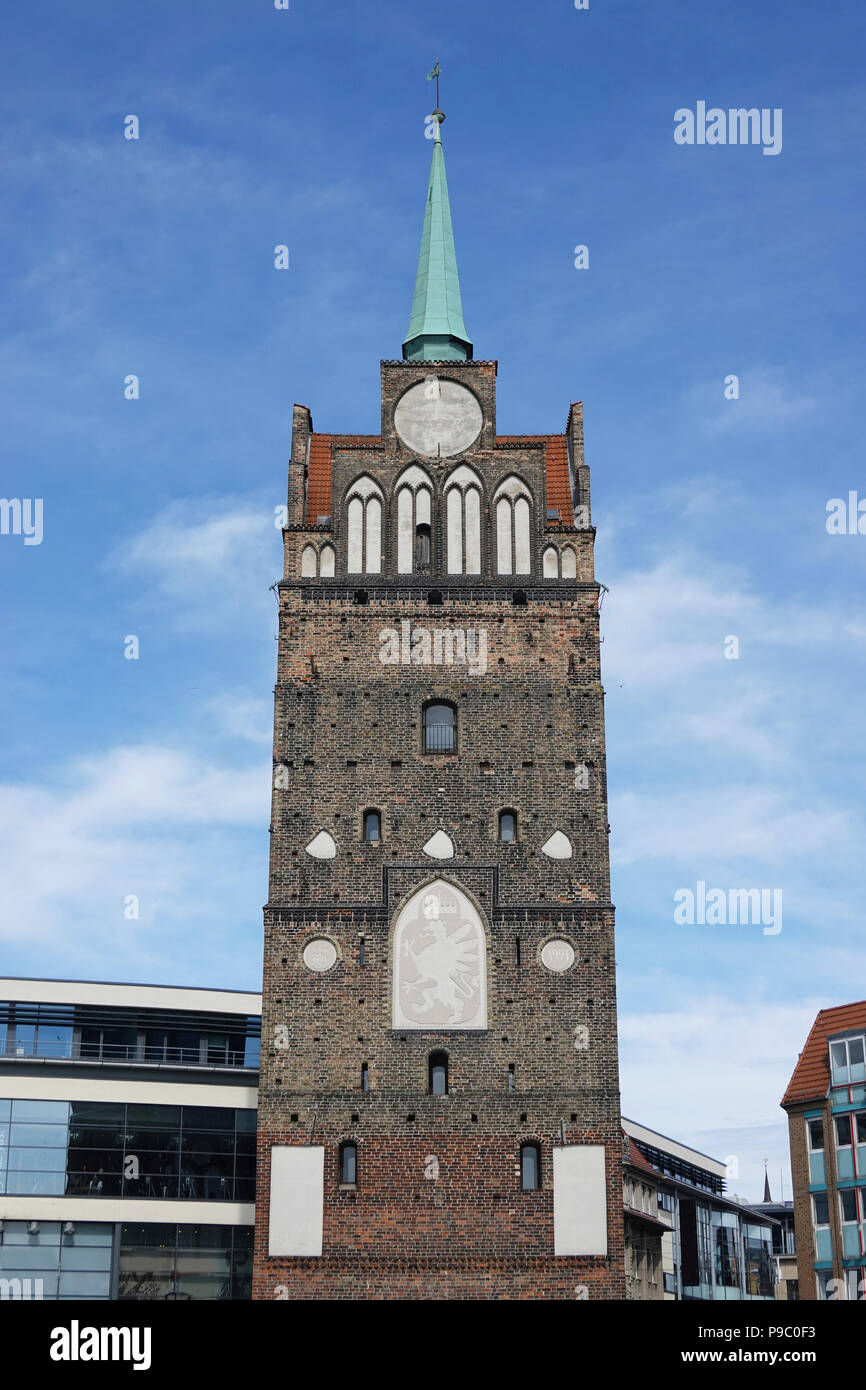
[848, 1061]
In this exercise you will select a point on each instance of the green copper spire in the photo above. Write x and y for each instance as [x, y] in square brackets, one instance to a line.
[437, 332]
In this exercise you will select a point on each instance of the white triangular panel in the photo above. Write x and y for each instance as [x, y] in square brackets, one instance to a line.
[558, 846]
[324, 846]
[440, 846]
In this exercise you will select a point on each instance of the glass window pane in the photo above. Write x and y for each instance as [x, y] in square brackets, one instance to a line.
[78, 1285]
[843, 1130]
[142, 1141]
[153, 1116]
[35, 1184]
[822, 1209]
[348, 1163]
[245, 1121]
[855, 1050]
[816, 1134]
[90, 1257]
[37, 1160]
[18, 1233]
[849, 1204]
[159, 1234]
[207, 1117]
[39, 1136]
[27, 1258]
[89, 1233]
[5, 1109]
[54, 1041]
[529, 1166]
[507, 826]
[49, 1111]
[97, 1113]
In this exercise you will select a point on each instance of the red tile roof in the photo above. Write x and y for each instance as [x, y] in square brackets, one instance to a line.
[637, 1160]
[558, 485]
[811, 1077]
[319, 478]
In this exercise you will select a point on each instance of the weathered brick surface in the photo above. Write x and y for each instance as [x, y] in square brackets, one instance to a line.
[348, 732]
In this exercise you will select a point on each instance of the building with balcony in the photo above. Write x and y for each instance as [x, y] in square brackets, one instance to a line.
[715, 1248]
[784, 1248]
[647, 1221]
[127, 1140]
[826, 1106]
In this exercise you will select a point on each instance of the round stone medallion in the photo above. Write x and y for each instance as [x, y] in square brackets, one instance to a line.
[438, 419]
[320, 954]
[557, 956]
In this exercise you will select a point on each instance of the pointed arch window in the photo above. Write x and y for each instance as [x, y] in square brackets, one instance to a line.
[364, 527]
[463, 521]
[315, 562]
[512, 508]
[556, 564]
[414, 494]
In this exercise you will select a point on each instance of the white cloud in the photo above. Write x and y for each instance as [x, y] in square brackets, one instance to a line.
[766, 403]
[162, 825]
[207, 559]
[712, 1073]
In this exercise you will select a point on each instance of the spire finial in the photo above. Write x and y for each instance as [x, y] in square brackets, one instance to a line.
[437, 332]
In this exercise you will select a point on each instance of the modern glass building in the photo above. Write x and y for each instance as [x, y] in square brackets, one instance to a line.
[826, 1105]
[127, 1140]
[716, 1248]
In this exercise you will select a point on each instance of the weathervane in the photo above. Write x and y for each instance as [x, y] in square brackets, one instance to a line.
[434, 72]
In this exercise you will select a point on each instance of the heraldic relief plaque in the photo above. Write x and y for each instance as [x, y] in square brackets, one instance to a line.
[440, 961]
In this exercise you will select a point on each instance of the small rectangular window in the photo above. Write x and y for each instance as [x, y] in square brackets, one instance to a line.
[365, 1076]
[843, 1130]
[816, 1135]
[530, 1168]
[848, 1197]
[822, 1209]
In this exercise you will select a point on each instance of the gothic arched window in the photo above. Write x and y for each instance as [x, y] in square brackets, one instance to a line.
[414, 511]
[364, 527]
[439, 955]
[326, 561]
[308, 561]
[463, 521]
[512, 501]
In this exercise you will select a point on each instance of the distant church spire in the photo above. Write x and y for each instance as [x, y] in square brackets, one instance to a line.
[437, 332]
[767, 1197]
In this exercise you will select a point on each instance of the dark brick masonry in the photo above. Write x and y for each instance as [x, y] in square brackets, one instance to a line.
[348, 735]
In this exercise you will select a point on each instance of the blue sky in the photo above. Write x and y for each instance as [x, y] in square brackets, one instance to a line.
[155, 257]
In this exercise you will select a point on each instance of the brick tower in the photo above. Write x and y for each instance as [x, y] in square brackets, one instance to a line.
[439, 1106]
